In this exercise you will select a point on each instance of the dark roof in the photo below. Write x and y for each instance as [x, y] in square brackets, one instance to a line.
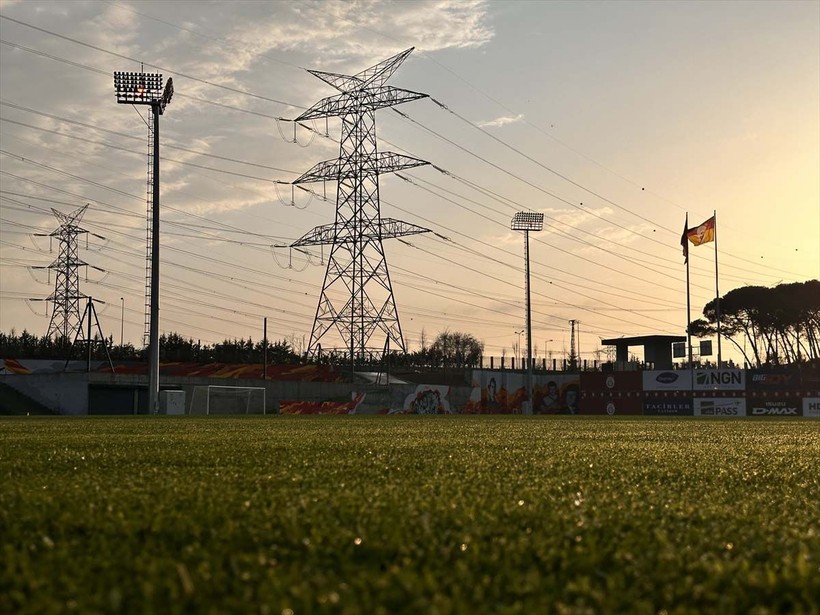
[643, 339]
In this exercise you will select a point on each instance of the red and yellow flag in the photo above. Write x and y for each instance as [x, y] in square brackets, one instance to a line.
[703, 233]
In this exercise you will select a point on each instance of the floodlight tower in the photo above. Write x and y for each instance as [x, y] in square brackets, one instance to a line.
[528, 221]
[147, 89]
[357, 297]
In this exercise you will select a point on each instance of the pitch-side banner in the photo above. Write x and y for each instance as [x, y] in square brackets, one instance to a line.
[719, 380]
[719, 406]
[667, 380]
[811, 407]
[667, 406]
[773, 380]
[774, 407]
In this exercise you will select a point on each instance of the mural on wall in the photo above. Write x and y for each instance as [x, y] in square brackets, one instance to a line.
[497, 392]
[427, 399]
[287, 406]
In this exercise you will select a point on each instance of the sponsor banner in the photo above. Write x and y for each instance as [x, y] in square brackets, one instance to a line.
[504, 392]
[774, 407]
[811, 407]
[668, 406]
[772, 380]
[719, 380]
[427, 399]
[667, 380]
[811, 378]
[611, 381]
[719, 406]
[614, 405]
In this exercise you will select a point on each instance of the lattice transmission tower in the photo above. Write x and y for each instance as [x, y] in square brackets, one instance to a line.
[357, 300]
[66, 298]
[574, 347]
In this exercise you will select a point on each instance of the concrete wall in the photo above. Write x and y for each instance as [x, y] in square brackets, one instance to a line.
[69, 393]
[62, 393]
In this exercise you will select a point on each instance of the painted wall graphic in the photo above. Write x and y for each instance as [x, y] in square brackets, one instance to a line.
[322, 407]
[498, 392]
[427, 399]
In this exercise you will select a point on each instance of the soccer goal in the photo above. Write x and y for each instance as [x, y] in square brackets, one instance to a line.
[214, 399]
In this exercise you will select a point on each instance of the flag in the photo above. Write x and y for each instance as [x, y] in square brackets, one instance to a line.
[703, 233]
[684, 244]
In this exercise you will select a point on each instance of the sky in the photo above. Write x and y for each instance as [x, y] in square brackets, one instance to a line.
[616, 120]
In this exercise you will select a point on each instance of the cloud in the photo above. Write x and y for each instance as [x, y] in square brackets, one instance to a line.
[501, 121]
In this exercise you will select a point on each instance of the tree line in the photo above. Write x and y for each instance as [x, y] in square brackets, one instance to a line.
[172, 347]
[774, 326]
[449, 349]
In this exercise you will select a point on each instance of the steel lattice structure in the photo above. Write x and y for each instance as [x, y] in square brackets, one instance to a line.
[357, 296]
[65, 300]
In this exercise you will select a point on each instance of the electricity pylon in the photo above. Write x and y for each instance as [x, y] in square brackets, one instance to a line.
[357, 296]
[574, 359]
[65, 300]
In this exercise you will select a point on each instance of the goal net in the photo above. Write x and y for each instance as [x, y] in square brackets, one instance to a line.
[213, 399]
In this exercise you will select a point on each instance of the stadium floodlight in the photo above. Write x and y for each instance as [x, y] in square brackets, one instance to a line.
[147, 89]
[528, 221]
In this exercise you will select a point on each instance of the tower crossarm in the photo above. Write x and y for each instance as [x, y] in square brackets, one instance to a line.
[343, 83]
[388, 228]
[378, 74]
[398, 228]
[381, 163]
[367, 99]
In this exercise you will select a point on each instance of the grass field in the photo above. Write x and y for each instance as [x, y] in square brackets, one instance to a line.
[371, 515]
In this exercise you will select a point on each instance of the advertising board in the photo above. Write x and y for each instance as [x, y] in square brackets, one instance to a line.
[774, 407]
[811, 407]
[773, 380]
[719, 406]
[667, 380]
[719, 380]
[667, 406]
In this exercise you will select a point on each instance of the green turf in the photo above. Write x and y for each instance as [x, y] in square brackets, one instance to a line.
[409, 515]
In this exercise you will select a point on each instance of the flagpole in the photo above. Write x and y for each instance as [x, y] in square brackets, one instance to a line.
[717, 293]
[688, 300]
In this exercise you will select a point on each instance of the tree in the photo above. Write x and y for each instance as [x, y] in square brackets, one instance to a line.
[779, 324]
[456, 349]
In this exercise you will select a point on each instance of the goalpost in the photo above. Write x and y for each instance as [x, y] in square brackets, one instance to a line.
[218, 399]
